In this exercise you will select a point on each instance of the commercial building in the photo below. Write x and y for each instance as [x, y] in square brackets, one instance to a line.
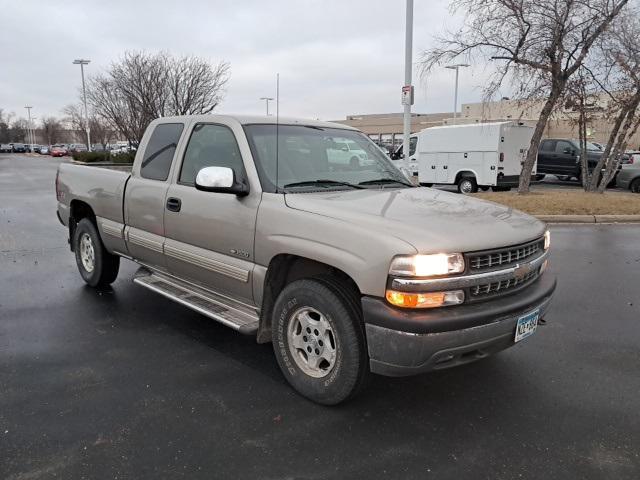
[386, 128]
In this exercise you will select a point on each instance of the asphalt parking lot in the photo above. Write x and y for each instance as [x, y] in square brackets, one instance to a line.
[125, 384]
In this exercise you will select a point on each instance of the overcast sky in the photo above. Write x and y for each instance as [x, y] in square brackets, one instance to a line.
[335, 58]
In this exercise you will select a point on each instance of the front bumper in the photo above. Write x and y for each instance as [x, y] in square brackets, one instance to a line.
[407, 342]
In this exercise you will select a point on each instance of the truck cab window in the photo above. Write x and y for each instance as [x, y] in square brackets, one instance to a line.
[159, 152]
[210, 146]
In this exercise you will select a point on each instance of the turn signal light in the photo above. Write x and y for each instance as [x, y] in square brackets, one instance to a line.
[424, 300]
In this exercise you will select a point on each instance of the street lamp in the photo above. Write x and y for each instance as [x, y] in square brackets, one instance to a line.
[407, 89]
[455, 96]
[29, 134]
[82, 62]
[267, 100]
[33, 132]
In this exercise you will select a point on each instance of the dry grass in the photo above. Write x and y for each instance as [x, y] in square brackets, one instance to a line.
[564, 202]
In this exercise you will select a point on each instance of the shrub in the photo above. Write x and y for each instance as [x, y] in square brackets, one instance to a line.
[92, 157]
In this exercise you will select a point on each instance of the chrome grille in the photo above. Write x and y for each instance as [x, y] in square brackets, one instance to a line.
[499, 258]
[502, 286]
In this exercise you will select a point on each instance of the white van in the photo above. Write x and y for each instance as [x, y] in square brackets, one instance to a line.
[475, 155]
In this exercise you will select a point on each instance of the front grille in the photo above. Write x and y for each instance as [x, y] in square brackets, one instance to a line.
[504, 286]
[503, 257]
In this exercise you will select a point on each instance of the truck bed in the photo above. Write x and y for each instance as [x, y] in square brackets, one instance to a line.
[100, 186]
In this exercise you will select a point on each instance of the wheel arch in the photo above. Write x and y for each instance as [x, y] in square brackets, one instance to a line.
[465, 173]
[285, 268]
[79, 210]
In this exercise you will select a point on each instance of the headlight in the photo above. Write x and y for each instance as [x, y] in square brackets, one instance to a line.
[427, 265]
[547, 240]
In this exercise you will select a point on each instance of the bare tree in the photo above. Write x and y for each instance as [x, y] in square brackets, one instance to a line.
[622, 51]
[51, 129]
[142, 87]
[540, 44]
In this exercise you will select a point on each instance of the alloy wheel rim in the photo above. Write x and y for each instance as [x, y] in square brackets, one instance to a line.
[312, 342]
[87, 253]
[466, 186]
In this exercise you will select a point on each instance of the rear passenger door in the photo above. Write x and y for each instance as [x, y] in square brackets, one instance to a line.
[545, 156]
[146, 193]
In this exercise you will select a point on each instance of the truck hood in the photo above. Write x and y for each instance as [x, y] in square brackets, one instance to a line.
[431, 220]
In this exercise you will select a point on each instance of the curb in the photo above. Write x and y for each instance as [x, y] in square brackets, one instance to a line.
[589, 218]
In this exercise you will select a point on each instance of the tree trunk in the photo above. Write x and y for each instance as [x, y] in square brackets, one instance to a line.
[532, 154]
[624, 112]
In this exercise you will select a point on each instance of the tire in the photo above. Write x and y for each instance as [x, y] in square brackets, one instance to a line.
[312, 315]
[97, 266]
[635, 186]
[467, 185]
[484, 188]
[501, 189]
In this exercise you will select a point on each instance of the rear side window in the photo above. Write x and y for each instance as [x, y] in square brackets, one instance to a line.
[548, 145]
[159, 152]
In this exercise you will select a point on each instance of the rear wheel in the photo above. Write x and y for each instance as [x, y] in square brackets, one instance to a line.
[635, 186]
[467, 185]
[96, 266]
[319, 342]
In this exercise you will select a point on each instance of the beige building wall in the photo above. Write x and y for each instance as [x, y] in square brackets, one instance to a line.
[388, 127]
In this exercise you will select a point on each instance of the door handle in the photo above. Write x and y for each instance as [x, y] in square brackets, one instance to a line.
[174, 204]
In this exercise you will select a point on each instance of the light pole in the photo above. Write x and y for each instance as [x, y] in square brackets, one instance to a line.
[82, 62]
[267, 100]
[33, 132]
[407, 89]
[29, 136]
[455, 95]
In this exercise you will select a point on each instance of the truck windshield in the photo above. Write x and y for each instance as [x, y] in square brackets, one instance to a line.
[310, 157]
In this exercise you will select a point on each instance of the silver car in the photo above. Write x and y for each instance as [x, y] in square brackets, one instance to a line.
[629, 176]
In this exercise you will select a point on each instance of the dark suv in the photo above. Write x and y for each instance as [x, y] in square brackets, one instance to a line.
[561, 157]
[19, 148]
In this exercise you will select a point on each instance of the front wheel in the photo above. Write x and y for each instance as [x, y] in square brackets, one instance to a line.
[635, 186]
[96, 265]
[319, 341]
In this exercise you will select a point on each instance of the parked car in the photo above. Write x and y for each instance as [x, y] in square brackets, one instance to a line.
[6, 148]
[44, 150]
[19, 148]
[561, 157]
[629, 177]
[77, 147]
[57, 151]
[346, 271]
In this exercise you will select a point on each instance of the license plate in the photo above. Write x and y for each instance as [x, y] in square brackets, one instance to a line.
[526, 325]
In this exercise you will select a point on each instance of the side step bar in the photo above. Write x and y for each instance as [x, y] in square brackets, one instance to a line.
[233, 314]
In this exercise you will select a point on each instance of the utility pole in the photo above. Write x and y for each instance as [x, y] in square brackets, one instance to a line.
[267, 100]
[407, 89]
[82, 62]
[455, 95]
[29, 136]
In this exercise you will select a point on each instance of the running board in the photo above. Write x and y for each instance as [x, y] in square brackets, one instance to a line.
[233, 314]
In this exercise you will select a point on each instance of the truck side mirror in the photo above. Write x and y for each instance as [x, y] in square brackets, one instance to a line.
[220, 180]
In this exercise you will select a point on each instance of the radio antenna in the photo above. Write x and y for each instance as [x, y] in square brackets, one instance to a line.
[277, 125]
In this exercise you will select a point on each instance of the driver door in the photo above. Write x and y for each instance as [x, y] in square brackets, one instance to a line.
[209, 235]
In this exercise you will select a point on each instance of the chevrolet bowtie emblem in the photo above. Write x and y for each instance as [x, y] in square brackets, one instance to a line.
[522, 271]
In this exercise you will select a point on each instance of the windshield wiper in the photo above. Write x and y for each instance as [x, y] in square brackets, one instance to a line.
[321, 182]
[384, 181]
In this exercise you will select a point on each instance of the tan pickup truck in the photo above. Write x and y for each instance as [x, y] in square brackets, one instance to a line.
[344, 265]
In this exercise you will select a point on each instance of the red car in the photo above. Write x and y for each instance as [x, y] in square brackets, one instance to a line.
[57, 151]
